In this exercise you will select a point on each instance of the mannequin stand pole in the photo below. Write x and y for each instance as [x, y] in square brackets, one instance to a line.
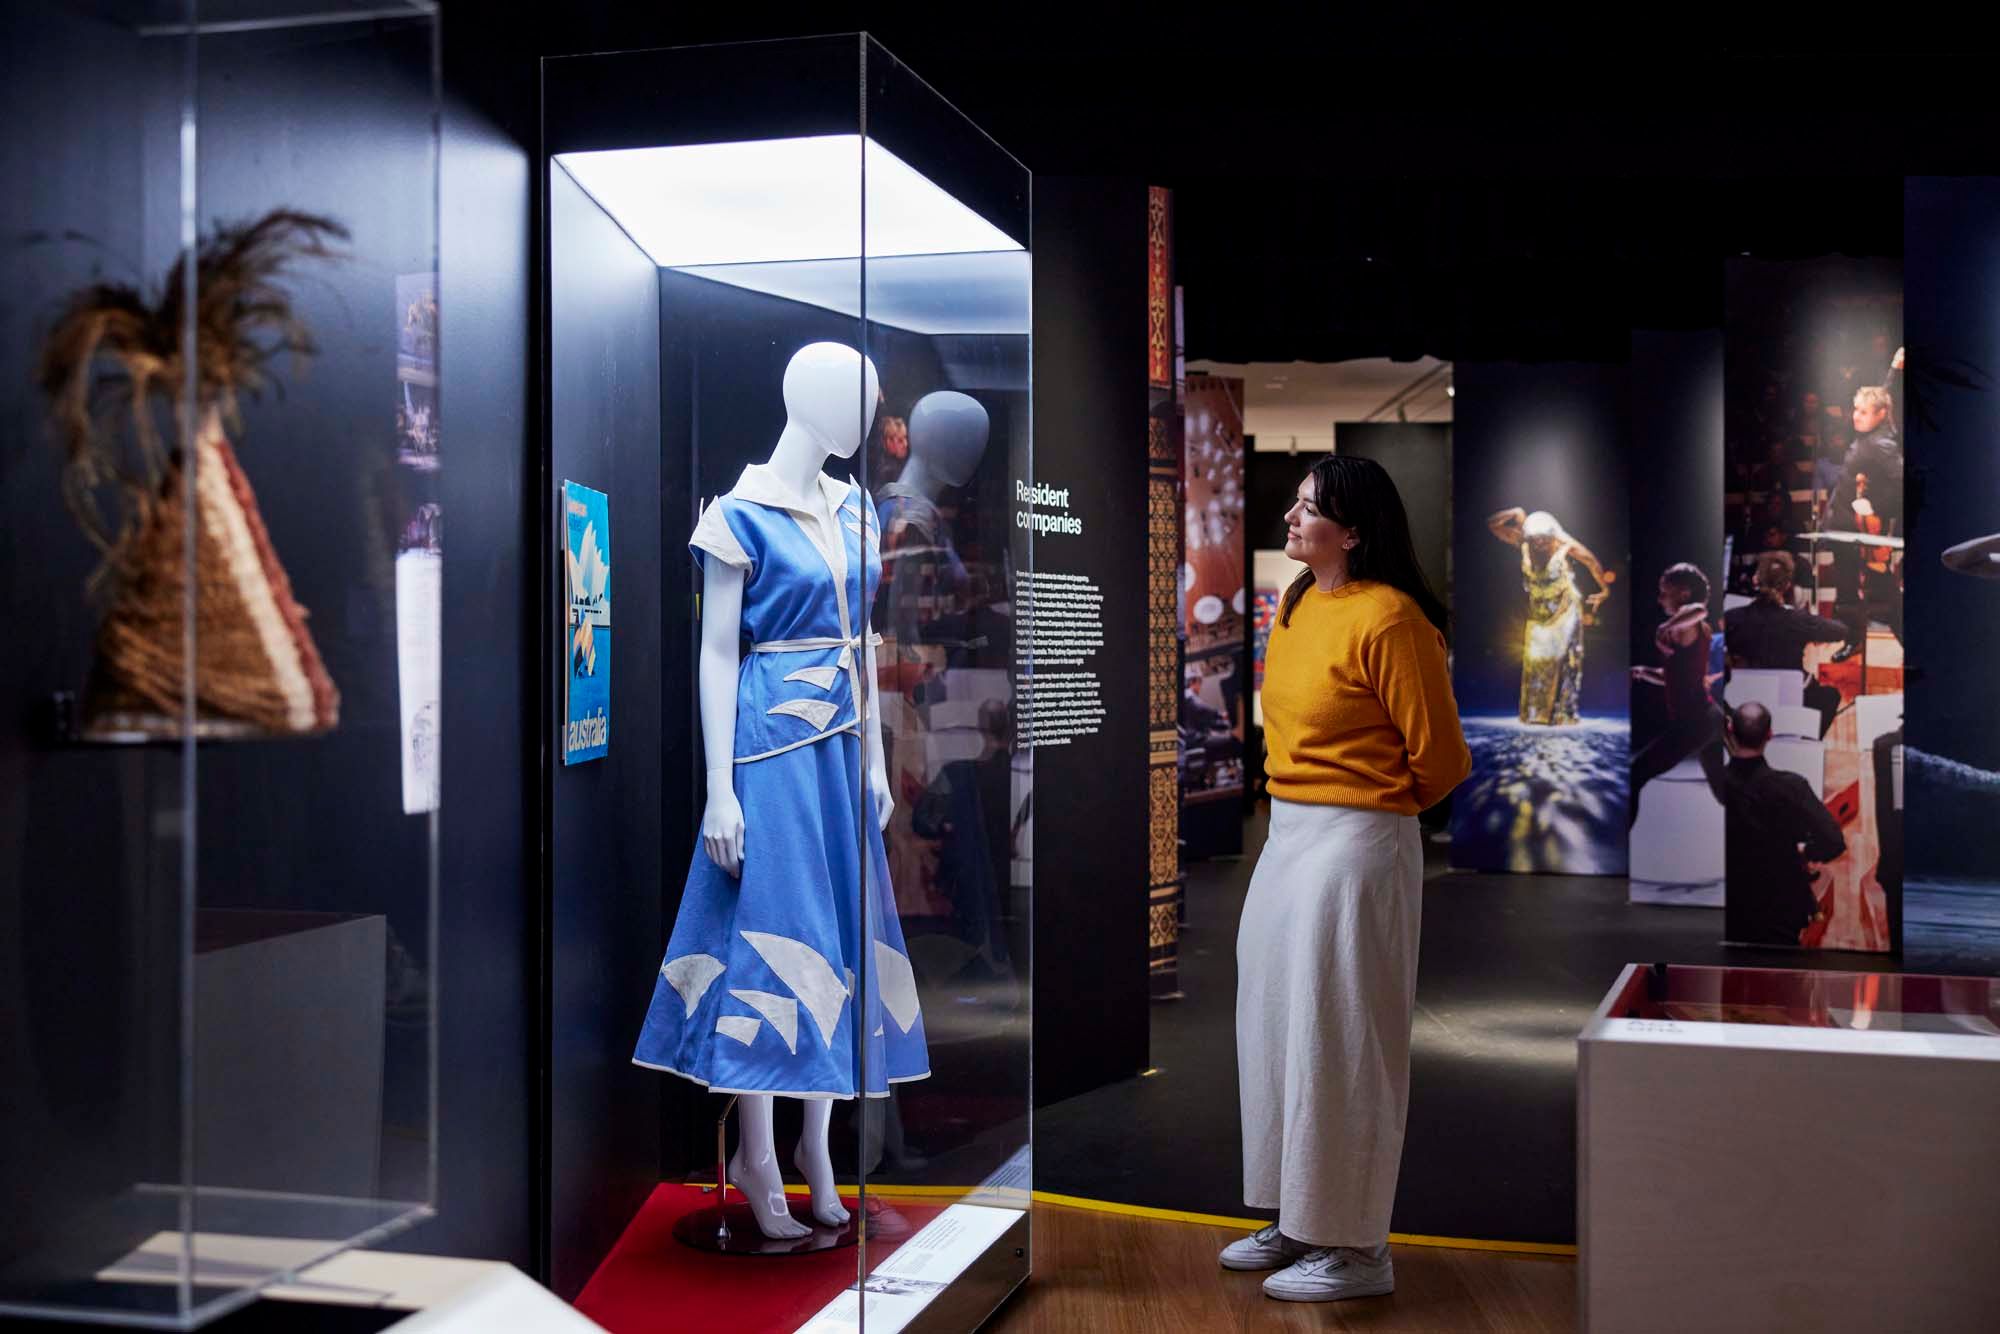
[731, 1229]
[722, 1174]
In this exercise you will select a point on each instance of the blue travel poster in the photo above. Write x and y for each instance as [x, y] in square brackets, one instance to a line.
[586, 733]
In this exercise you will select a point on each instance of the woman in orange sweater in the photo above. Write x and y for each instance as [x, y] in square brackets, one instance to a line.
[1361, 733]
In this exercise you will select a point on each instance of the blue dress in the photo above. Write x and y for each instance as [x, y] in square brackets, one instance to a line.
[766, 986]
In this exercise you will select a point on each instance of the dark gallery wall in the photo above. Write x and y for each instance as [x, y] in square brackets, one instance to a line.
[604, 917]
[1951, 285]
[1675, 469]
[1091, 1019]
[490, 831]
[1270, 484]
[1417, 456]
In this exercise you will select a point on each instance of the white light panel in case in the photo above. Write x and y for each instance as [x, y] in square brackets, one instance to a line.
[773, 200]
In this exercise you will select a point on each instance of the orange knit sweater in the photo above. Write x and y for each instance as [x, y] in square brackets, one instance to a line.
[1358, 709]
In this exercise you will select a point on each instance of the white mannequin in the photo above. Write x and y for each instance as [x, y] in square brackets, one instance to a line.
[830, 394]
[947, 437]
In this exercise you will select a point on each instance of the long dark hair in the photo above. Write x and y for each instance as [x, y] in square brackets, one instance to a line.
[1357, 493]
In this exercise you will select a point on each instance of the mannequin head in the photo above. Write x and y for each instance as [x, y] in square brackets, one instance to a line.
[830, 392]
[948, 435]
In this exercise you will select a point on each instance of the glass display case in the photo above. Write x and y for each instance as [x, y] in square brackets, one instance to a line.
[788, 323]
[1766, 1129]
[218, 773]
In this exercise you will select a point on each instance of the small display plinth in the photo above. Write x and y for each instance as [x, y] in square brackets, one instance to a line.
[1796, 998]
[731, 1229]
[1765, 1149]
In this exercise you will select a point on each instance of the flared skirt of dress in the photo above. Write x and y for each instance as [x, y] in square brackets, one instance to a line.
[775, 983]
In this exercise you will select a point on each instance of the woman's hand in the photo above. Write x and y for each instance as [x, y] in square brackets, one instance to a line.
[878, 788]
[722, 828]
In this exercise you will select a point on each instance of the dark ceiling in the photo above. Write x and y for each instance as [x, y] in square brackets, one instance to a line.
[1467, 187]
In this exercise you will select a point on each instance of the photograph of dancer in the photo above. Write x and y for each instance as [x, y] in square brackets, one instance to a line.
[1539, 470]
[1552, 644]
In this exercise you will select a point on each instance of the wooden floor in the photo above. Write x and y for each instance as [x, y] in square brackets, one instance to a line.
[1101, 1273]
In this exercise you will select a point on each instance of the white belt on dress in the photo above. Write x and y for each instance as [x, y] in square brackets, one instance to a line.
[850, 662]
[809, 645]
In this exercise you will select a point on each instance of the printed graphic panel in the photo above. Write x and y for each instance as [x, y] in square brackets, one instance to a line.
[587, 624]
[1542, 602]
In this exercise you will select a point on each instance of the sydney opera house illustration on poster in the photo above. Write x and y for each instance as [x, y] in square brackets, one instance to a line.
[587, 624]
[1541, 607]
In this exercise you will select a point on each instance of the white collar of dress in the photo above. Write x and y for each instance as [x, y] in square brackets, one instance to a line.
[761, 485]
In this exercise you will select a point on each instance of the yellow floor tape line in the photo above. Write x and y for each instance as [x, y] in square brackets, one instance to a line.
[1189, 1216]
[1251, 1224]
[1225, 1220]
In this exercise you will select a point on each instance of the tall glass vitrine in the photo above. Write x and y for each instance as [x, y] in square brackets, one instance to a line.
[219, 761]
[760, 254]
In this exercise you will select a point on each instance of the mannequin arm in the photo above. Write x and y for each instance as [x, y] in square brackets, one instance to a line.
[878, 764]
[722, 833]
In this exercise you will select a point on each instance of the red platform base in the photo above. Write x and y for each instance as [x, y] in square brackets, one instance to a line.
[651, 1282]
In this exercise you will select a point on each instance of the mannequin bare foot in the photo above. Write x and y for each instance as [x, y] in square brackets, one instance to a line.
[764, 1189]
[817, 1166]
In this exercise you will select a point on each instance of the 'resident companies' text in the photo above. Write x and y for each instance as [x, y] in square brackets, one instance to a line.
[1049, 509]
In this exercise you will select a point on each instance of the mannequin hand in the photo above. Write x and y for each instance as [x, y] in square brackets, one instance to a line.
[722, 829]
[885, 800]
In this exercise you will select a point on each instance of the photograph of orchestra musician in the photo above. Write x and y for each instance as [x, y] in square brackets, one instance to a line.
[1814, 512]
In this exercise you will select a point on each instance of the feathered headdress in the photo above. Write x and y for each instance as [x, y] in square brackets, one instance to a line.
[242, 318]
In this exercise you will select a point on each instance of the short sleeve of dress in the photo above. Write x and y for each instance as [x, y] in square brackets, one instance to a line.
[714, 537]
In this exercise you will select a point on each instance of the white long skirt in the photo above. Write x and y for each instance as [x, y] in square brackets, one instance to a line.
[1326, 963]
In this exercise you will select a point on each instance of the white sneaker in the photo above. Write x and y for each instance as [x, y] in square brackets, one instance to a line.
[1266, 1248]
[1333, 1274]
